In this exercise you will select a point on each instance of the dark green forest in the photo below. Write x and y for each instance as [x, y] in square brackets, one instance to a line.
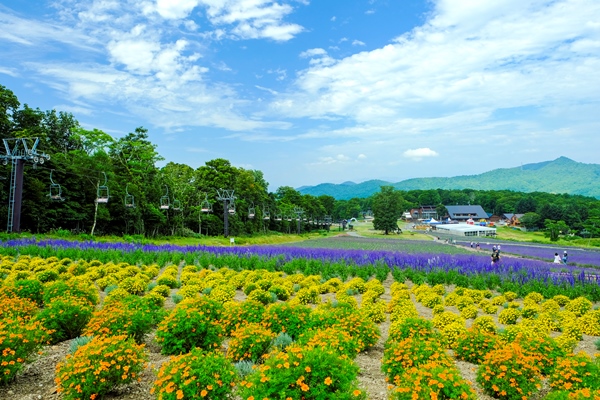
[172, 200]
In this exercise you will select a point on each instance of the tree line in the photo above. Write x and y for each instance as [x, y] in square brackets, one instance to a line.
[172, 199]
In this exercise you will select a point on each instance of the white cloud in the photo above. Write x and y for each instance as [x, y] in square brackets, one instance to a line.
[317, 52]
[358, 43]
[471, 61]
[417, 154]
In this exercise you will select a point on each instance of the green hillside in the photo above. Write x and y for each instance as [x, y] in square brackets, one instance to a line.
[562, 175]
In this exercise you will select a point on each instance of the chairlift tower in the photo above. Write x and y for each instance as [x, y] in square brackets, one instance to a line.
[227, 197]
[18, 150]
[298, 211]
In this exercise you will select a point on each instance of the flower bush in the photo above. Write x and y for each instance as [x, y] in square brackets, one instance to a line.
[508, 372]
[235, 314]
[374, 311]
[31, 289]
[590, 323]
[131, 316]
[474, 345]
[419, 328]
[452, 332]
[544, 350]
[332, 338]
[469, 312]
[308, 295]
[71, 288]
[66, 317]
[446, 318]
[303, 373]
[484, 324]
[431, 381]
[509, 316]
[192, 323]
[289, 318]
[97, 367]
[198, 374]
[579, 306]
[249, 342]
[411, 352]
[577, 371]
[20, 338]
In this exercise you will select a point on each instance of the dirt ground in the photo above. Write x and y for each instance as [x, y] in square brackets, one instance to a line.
[36, 381]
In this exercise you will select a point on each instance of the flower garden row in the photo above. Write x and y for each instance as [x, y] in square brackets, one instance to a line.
[297, 351]
[473, 270]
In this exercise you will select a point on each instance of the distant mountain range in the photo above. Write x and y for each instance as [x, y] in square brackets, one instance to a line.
[562, 175]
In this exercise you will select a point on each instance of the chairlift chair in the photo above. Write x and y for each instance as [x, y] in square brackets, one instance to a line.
[55, 190]
[266, 214]
[129, 199]
[231, 208]
[102, 192]
[206, 207]
[278, 217]
[165, 203]
[251, 212]
[176, 205]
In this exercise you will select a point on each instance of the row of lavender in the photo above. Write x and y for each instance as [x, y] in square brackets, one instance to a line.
[516, 271]
[546, 253]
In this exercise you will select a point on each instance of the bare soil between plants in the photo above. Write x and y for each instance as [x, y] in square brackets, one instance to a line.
[36, 380]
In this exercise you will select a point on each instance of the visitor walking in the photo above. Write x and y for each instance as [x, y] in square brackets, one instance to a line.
[565, 258]
[557, 259]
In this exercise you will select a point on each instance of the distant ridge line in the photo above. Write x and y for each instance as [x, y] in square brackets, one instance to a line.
[561, 175]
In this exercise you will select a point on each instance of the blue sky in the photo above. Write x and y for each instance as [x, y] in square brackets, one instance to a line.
[314, 91]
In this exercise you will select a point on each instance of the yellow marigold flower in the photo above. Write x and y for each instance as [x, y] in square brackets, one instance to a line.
[328, 381]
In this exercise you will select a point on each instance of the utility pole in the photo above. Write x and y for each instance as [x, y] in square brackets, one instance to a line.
[227, 197]
[18, 151]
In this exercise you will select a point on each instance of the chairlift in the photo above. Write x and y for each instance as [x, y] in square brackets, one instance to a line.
[164, 200]
[176, 205]
[129, 199]
[251, 212]
[231, 208]
[102, 195]
[266, 214]
[206, 207]
[278, 217]
[55, 190]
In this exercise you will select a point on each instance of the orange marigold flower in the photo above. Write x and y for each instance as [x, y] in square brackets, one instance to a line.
[328, 381]
[203, 393]
[179, 394]
[356, 393]
[307, 369]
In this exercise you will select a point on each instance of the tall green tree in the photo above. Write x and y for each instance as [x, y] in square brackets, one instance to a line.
[387, 208]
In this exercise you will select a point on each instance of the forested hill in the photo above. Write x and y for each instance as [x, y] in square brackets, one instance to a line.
[562, 175]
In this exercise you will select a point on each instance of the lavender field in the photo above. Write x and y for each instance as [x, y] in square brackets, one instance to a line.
[580, 257]
[341, 256]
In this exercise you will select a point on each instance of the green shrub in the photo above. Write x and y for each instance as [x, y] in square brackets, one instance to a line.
[577, 371]
[66, 317]
[310, 374]
[20, 338]
[437, 381]
[192, 323]
[198, 374]
[131, 316]
[249, 342]
[398, 357]
[31, 289]
[288, 318]
[97, 367]
[71, 288]
[509, 373]
[474, 345]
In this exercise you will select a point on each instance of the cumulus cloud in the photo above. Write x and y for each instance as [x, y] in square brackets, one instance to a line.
[417, 154]
[358, 43]
[246, 19]
[470, 57]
